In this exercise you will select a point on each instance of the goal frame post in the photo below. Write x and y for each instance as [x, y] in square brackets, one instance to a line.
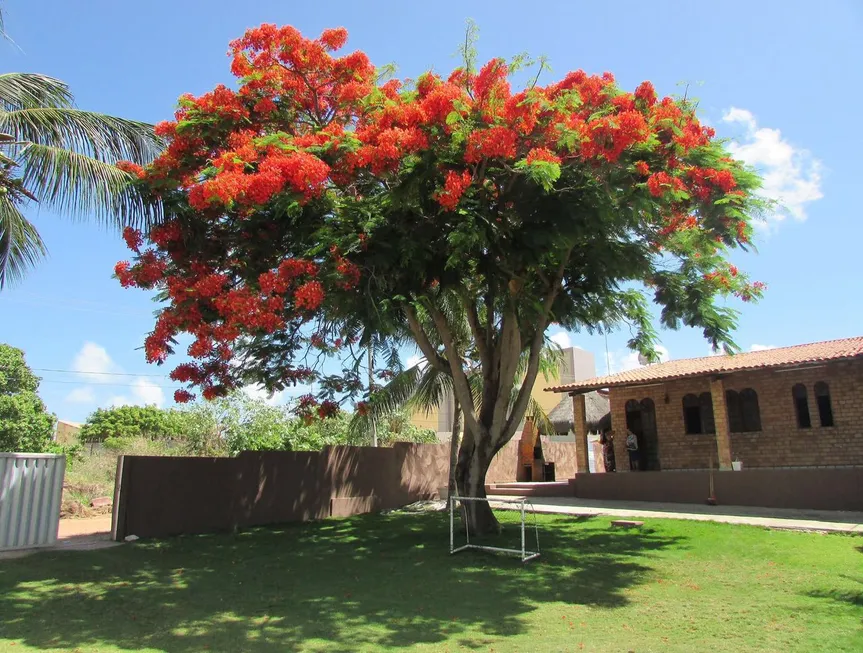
[523, 553]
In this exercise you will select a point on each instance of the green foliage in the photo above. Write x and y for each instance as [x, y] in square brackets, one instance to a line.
[239, 423]
[397, 427]
[63, 158]
[15, 376]
[25, 425]
[133, 421]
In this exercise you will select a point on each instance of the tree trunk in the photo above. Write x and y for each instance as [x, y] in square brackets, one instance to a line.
[473, 463]
[455, 441]
[371, 357]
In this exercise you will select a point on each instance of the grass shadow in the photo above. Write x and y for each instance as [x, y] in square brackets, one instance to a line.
[369, 582]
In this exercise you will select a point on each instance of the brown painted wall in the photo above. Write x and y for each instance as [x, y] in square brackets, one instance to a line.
[805, 489]
[504, 467]
[780, 443]
[161, 496]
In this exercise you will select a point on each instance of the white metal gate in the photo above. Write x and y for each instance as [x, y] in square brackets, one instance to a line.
[31, 486]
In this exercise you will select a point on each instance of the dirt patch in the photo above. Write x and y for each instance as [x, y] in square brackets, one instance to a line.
[76, 501]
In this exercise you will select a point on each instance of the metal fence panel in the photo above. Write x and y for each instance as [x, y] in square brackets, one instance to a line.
[31, 486]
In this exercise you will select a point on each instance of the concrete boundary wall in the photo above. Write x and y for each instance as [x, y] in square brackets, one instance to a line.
[163, 496]
[802, 488]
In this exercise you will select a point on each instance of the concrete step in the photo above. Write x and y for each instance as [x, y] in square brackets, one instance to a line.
[552, 489]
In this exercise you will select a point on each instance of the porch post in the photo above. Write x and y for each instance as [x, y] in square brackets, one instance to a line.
[579, 426]
[720, 420]
[618, 430]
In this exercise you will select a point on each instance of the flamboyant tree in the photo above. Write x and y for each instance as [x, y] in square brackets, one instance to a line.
[319, 201]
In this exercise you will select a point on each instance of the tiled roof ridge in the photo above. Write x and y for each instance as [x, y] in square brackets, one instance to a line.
[842, 348]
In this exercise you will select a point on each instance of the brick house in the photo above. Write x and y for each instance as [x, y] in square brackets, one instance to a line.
[788, 407]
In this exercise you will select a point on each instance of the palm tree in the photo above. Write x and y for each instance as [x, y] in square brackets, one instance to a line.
[62, 158]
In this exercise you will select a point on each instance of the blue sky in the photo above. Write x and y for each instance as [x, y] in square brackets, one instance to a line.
[780, 77]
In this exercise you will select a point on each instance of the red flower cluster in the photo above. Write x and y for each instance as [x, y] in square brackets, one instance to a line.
[133, 239]
[542, 154]
[309, 296]
[183, 396]
[131, 168]
[661, 182]
[494, 142]
[454, 187]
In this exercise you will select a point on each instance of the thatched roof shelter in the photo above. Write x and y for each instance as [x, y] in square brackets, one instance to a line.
[598, 413]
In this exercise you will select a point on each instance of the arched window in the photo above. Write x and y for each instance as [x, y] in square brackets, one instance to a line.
[825, 408]
[732, 405]
[801, 406]
[698, 413]
[691, 414]
[750, 413]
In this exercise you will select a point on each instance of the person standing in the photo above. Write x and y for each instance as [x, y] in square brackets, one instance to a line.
[632, 449]
[607, 442]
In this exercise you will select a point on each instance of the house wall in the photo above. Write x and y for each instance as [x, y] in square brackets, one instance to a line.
[780, 443]
[67, 432]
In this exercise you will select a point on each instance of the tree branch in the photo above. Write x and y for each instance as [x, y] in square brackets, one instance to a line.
[479, 334]
[421, 337]
[520, 405]
[461, 387]
[509, 352]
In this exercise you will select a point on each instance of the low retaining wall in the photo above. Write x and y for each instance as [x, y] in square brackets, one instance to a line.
[804, 488]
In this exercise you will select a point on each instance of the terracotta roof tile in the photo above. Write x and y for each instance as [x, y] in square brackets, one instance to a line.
[830, 350]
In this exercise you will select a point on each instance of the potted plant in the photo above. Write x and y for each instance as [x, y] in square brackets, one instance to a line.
[736, 464]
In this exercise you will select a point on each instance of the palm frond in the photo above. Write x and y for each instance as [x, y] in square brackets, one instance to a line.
[24, 90]
[102, 137]
[430, 390]
[81, 186]
[20, 244]
[389, 399]
[550, 358]
[540, 417]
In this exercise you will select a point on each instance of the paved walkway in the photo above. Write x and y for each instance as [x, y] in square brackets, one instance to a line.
[74, 535]
[803, 520]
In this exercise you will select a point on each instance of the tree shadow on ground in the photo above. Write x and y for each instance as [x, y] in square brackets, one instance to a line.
[370, 582]
[849, 595]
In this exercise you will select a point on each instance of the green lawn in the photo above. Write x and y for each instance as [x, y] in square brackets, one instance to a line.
[387, 583]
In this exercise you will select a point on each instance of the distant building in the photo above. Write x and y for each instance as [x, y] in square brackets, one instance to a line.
[66, 432]
[778, 408]
[577, 365]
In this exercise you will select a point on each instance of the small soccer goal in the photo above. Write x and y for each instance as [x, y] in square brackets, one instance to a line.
[519, 506]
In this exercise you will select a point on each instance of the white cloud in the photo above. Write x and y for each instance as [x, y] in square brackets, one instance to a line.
[624, 360]
[260, 393]
[761, 347]
[278, 398]
[416, 359]
[82, 395]
[93, 362]
[143, 393]
[742, 116]
[562, 339]
[147, 393]
[792, 176]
